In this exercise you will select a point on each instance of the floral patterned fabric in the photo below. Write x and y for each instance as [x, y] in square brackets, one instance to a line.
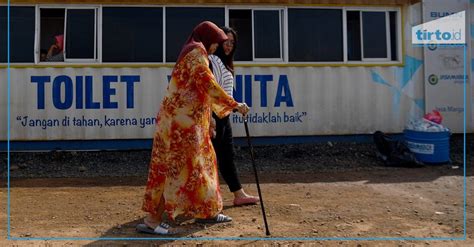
[183, 168]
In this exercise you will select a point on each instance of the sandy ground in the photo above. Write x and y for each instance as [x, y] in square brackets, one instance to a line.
[311, 208]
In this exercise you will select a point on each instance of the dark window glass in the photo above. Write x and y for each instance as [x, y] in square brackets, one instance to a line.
[315, 35]
[353, 36]
[132, 35]
[80, 33]
[241, 22]
[181, 21]
[393, 35]
[267, 33]
[22, 34]
[375, 34]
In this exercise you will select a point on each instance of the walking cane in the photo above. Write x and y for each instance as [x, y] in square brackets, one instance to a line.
[256, 176]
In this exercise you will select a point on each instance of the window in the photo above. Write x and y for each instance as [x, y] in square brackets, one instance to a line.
[372, 35]
[132, 34]
[52, 26]
[259, 34]
[393, 35]
[22, 34]
[241, 21]
[267, 33]
[315, 35]
[353, 36]
[180, 21]
[152, 34]
[77, 41]
[80, 34]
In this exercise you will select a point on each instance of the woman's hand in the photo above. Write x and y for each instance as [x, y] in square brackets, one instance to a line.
[212, 127]
[52, 50]
[242, 108]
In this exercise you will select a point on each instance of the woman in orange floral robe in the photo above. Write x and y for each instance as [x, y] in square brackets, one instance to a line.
[183, 177]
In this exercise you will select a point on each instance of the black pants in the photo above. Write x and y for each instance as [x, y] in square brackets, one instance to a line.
[224, 146]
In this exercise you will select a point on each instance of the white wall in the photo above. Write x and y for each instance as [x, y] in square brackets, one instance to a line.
[333, 100]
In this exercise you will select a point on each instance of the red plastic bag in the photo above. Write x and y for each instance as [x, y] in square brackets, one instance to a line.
[434, 116]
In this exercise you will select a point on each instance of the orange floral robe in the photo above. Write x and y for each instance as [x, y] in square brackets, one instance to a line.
[183, 168]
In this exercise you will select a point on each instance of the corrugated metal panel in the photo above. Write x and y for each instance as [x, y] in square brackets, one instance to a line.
[341, 100]
[324, 100]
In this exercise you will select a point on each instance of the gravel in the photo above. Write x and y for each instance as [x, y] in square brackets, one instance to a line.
[329, 156]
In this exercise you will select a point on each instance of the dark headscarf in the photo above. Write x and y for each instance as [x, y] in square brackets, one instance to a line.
[204, 35]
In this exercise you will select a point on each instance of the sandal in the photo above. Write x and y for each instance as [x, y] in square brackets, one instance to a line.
[220, 218]
[161, 229]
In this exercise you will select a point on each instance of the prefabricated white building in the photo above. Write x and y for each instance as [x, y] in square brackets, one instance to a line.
[306, 68]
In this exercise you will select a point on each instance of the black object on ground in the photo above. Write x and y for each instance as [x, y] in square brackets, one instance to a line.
[256, 176]
[394, 152]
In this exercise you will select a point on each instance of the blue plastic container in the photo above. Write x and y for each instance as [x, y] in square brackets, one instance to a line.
[428, 147]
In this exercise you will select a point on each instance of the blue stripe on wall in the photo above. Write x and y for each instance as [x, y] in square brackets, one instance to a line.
[138, 144]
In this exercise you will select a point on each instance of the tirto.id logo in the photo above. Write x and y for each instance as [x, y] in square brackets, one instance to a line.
[450, 29]
[439, 36]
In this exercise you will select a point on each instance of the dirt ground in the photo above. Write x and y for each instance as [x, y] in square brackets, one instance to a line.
[403, 206]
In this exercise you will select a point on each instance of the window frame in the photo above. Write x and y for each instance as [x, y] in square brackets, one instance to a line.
[388, 54]
[38, 32]
[96, 44]
[185, 6]
[227, 21]
[344, 33]
[97, 34]
[281, 58]
[399, 45]
[100, 26]
[282, 24]
[34, 37]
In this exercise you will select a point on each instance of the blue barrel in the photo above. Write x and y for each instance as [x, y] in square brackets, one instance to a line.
[428, 147]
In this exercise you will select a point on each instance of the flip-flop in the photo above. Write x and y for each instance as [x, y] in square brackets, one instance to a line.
[220, 218]
[161, 229]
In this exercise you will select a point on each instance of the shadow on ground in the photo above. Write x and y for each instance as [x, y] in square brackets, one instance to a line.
[383, 175]
[126, 234]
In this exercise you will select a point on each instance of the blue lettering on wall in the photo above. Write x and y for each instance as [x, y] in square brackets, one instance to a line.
[263, 87]
[90, 104]
[238, 88]
[79, 88]
[64, 93]
[84, 122]
[283, 92]
[440, 14]
[57, 85]
[41, 80]
[243, 88]
[108, 92]
[130, 80]
[248, 89]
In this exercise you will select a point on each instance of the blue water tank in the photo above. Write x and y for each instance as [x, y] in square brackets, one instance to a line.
[428, 147]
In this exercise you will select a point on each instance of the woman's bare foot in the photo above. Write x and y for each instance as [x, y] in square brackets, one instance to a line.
[242, 198]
